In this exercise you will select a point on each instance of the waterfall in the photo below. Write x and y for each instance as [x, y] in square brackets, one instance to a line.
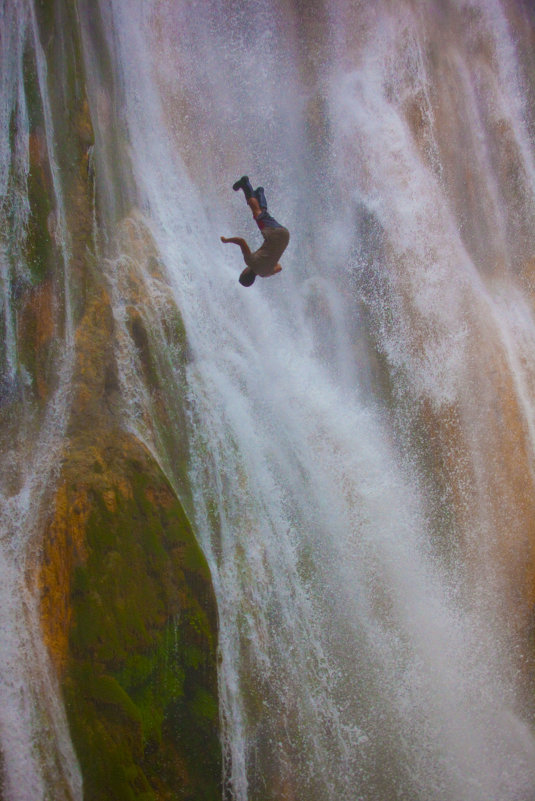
[36, 748]
[361, 426]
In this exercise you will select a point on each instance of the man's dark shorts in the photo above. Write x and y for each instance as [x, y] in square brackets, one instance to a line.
[263, 260]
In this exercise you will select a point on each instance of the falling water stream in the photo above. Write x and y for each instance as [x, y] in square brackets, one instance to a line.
[38, 757]
[372, 644]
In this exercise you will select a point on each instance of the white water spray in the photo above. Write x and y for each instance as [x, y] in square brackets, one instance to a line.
[356, 663]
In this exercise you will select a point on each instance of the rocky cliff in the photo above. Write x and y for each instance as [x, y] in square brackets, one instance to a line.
[126, 603]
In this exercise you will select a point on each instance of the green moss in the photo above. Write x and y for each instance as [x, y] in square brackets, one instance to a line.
[204, 705]
[141, 689]
[107, 690]
[45, 13]
[147, 358]
[32, 90]
[109, 750]
[175, 330]
[38, 245]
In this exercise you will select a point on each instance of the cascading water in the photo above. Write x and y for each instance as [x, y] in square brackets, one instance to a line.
[36, 748]
[359, 658]
[361, 426]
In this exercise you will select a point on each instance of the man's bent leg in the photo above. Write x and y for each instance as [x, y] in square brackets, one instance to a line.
[254, 205]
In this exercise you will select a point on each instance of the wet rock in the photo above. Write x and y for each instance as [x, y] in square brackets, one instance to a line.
[129, 618]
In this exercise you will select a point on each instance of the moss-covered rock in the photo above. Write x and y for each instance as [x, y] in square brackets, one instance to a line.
[38, 250]
[127, 606]
[129, 618]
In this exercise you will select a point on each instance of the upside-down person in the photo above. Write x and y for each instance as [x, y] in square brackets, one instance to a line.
[265, 260]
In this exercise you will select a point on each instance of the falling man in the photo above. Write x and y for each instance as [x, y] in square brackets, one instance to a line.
[265, 260]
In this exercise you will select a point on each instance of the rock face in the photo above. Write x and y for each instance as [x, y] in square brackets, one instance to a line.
[129, 619]
[127, 607]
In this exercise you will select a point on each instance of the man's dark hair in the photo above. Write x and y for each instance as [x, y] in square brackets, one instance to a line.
[247, 277]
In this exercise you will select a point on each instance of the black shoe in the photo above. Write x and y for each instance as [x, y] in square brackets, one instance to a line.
[239, 184]
[245, 184]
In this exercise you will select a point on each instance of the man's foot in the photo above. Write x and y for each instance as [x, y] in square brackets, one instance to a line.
[241, 183]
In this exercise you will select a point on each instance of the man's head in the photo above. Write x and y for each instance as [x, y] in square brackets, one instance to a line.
[247, 277]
